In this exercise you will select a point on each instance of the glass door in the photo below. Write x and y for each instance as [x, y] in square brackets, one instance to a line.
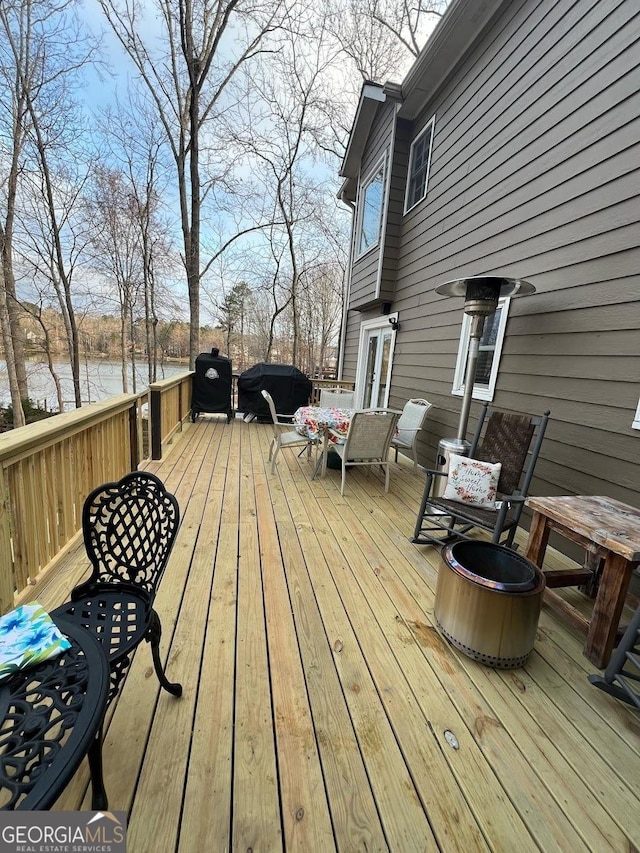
[378, 367]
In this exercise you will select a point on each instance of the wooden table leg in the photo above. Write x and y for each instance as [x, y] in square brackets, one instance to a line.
[538, 539]
[607, 609]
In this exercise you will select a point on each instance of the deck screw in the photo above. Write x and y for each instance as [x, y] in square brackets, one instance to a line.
[451, 739]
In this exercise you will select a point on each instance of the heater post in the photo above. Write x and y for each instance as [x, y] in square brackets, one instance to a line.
[477, 326]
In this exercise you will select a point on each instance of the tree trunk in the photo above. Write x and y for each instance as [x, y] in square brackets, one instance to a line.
[15, 324]
[193, 262]
[16, 401]
[134, 380]
[123, 349]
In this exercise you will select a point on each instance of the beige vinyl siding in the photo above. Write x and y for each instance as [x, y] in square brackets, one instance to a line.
[535, 173]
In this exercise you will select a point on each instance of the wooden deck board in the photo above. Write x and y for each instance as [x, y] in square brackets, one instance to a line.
[319, 696]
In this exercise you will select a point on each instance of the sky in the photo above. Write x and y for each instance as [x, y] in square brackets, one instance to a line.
[104, 84]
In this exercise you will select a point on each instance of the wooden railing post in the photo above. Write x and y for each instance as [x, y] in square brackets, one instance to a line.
[7, 581]
[134, 435]
[169, 406]
[155, 412]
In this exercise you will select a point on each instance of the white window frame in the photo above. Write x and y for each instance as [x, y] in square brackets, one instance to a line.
[430, 126]
[364, 185]
[480, 393]
[382, 322]
[636, 420]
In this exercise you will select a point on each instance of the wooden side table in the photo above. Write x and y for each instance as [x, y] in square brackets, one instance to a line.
[609, 531]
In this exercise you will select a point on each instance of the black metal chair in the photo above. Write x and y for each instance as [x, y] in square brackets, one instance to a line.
[513, 440]
[624, 667]
[129, 529]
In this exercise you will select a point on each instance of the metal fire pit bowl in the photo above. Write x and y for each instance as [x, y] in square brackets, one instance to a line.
[488, 601]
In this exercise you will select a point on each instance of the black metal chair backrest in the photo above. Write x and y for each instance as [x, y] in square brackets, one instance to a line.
[129, 529]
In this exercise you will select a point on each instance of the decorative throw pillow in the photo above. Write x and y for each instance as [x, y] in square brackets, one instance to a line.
[28, 636]
[472, 482]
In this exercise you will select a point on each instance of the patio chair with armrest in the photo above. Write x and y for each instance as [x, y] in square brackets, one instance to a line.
[621, 678]
[367, 442]
[341, 398]
[514, 440]
[410, 423]
[284, 435]
[129, 528]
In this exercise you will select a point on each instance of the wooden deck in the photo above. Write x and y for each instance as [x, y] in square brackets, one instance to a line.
[322, 710]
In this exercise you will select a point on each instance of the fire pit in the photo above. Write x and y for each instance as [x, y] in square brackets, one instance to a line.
[488, 601]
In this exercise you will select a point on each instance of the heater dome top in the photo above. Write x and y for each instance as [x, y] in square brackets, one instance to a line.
[507, 286]
[481, 292]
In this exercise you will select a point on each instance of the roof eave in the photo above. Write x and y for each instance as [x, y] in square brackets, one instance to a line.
[456, 32]
[371, 96]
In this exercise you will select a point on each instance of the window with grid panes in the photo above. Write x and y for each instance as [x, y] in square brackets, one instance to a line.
[419, 160]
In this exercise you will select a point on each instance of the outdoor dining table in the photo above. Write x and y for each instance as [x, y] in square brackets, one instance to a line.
[51, 716]
[323, 423]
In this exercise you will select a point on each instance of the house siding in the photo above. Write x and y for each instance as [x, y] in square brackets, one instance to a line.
[535, 174]
[372, 278]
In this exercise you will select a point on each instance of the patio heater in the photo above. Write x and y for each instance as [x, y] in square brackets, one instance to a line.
[481, 295]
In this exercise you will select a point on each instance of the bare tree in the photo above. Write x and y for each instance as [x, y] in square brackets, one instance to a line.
[53, 240]
[321, 313]
[46, 50]
[37, 311]
[381, 37]
[134, 141]
[18, 66]
[9, 354]
[377, 40]
[282, 146]
[188, 69]
[119, 253]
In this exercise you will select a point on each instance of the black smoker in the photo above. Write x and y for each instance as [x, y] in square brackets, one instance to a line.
[288, 386]
[212, 384]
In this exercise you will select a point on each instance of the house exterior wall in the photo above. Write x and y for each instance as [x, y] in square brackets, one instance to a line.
[535, 174]
[373, 274]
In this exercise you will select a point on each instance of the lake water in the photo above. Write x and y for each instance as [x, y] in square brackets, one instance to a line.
[99, 380]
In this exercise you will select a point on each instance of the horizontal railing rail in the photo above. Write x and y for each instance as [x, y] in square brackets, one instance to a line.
[47, 469]
[318, 384]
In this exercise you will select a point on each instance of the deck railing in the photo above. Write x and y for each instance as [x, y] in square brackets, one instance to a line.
[318, 384]
[46, 471]
[170, 407]
[48, 468]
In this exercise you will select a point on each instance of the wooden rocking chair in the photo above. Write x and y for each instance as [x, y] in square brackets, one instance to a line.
[514, 441]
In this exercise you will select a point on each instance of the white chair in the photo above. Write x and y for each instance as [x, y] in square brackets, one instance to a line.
[410, 423]
[283, 434]
[338, 397]
[367, 443]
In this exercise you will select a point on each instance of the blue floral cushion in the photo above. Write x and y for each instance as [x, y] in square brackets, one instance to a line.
[28, 636]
